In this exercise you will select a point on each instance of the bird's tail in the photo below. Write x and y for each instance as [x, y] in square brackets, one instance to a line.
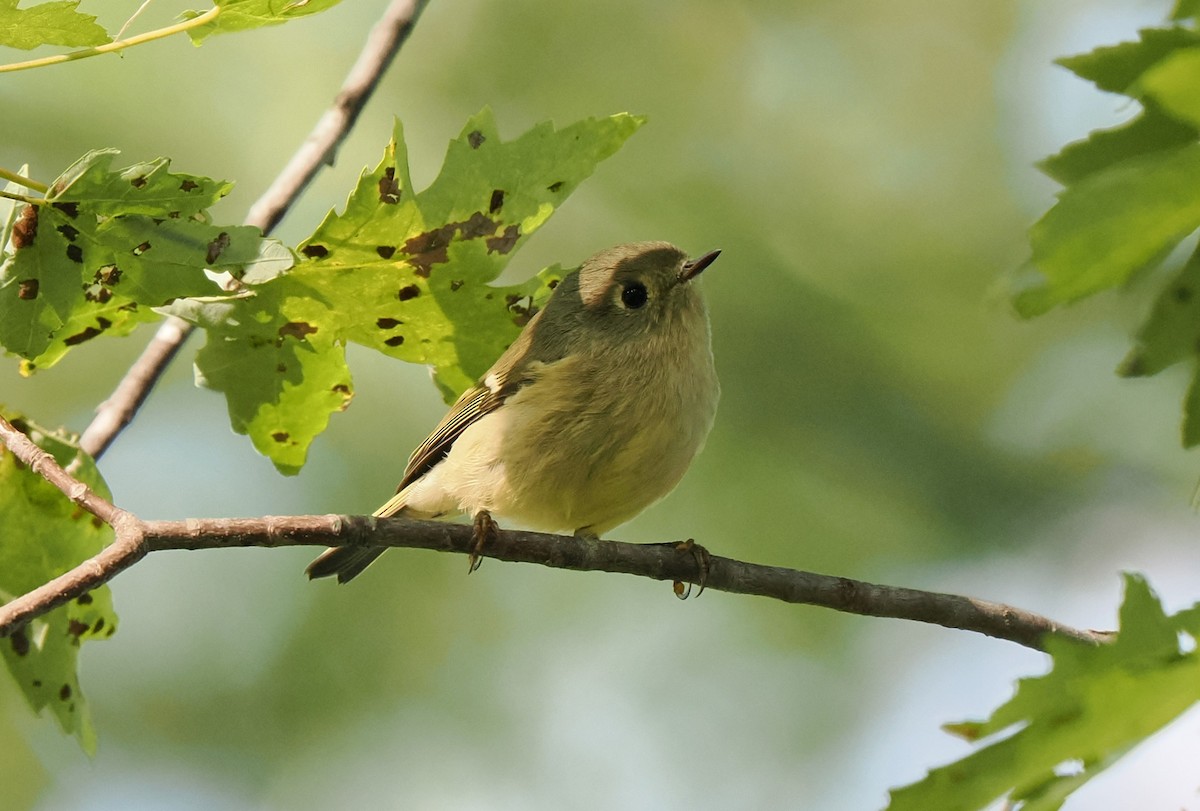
[347, 562]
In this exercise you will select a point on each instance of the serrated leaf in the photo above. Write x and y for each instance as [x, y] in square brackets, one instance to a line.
[243, 15]
[147, 188]
[44, 536]
[408, 273]
[1116, 67]
[1172, 331]
[1149, 132]
[282, 378]
[1112, 224]
[1094, 705]
[1172, 83]
[54, 23]
[109, 244]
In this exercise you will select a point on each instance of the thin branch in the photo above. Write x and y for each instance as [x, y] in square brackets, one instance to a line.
[317, 150]
[22, 198]
[655, 561]
[45, 466]
[115, 558]
[128, 548]
[135, 538]
[321, 145]
[133, 17]
[119, 409]
[116, 45]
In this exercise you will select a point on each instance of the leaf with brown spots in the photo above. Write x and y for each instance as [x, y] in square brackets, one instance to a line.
[282, 370]
[144, 226]
[297, 329]
[25, 229]
[426, 259]
[44, 536]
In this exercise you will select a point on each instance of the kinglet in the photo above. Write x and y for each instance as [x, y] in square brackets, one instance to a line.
[590, 416]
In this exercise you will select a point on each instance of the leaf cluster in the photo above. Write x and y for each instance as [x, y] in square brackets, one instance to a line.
[1131, 196]
[1062, 729]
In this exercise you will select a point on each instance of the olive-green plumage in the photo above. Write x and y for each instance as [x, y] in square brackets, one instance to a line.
[594, 413]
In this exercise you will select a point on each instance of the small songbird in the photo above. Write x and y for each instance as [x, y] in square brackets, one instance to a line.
[593, 414]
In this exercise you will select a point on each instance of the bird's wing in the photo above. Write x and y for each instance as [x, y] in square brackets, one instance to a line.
[514, 369]
[473, 404]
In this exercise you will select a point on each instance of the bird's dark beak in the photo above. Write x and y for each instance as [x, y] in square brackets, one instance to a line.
[692, 269]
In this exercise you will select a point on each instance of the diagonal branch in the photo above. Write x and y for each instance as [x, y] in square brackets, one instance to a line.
[136, 538]
[127, 549]
[318, 150]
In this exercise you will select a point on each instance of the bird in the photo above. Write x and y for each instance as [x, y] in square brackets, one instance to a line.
[592, 414]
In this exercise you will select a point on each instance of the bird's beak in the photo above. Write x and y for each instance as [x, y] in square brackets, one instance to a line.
[692, 269]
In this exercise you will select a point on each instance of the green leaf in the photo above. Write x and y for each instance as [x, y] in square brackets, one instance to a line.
[147, 188]
[1112, 224]
[282, 378]
[107, 245]
[408, 273]
[1191, 413]
[1172, 331]
[243, 15]
[1185, 9]
[1116, 67]
[56, 23]
[1172, 83]
[45, 535]
[1149, 132]
[1094, 705]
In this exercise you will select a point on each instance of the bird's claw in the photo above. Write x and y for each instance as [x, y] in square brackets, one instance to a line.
[703, 560]
[484, 532]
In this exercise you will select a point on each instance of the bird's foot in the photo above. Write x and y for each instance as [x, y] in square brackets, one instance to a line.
[703, 560]
[485, 530]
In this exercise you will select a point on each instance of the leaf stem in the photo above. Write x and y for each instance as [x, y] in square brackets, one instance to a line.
[133, 17]
[22, 198]
[118, 45]
[21, 180]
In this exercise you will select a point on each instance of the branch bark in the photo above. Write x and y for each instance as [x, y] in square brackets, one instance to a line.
[318, 149]
[137, 538]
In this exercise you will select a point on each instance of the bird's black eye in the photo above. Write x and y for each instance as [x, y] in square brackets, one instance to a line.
[634, 295]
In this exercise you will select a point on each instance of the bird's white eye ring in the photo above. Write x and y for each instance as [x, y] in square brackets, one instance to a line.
[634, 295]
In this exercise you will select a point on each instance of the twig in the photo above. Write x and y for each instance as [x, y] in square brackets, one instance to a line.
[132, 17]
[318, 149]
[321, 145]
[654, 561]
[119, 409]
[136, 538]
[21, 198]
[128, 548]
[45, 466]
[116, 45]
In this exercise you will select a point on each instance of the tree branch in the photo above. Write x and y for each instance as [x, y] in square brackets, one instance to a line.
[136, 538]
[321, 145]
[318, 149]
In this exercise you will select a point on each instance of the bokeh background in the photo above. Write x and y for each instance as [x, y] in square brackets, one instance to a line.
[866, 166]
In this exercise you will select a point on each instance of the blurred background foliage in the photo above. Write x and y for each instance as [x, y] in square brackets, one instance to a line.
[866, 168]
